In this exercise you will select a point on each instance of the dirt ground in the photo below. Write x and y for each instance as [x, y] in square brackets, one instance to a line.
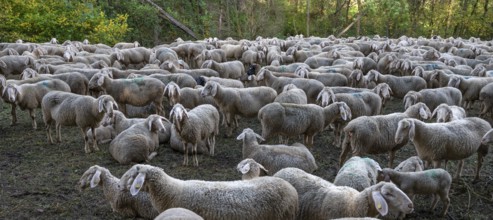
[39, 180]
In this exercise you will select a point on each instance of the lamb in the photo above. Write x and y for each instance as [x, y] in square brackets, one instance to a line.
[65, 108]
[433, 97]
[291, 94]
[258, 198]
[470, 88]
[358, 173]
[29, 96]
[137, 91]
[320, 199]
[276, 157]
[231, 69]
[375, 134]
[178, 214]
[249, 168]
[310, 86]
[399, 85]
[455, 140]
[139, 142]
[119, 198]
[433, 181]
[200, 123]
[289, 119]
[245, 102]
[104, 134]
[411, 164]
[446, 113]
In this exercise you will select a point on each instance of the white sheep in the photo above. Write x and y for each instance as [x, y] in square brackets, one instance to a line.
[434, 181]
[29, 96]
[446, 113]
[178, 214]
[470, 88]
[249, 168]
[176, 143]
[382, 89]
[455, 140]
[232, 83]
[119, 198]
[433, 97]
[375, 134]
[245, 102]
[320, 199]
[291, 94]
[276, 157]
[139, 142]
[399, 85]
[137, 91]
[288, 119]
[230, 69]
[198, 124]
[104, 134]
[411, 164]
[258, 198]
[188, 97]
[65, 108]
[358, 173]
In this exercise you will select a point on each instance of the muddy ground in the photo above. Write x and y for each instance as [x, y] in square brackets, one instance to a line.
[39, 180]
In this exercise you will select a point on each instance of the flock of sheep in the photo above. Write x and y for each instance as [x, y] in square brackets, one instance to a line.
[180, 94]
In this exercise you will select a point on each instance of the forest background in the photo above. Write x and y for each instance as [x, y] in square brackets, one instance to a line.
[111, 21]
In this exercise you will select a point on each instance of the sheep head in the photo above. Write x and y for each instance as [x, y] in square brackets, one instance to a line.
[443, 112]
[249, 165]
[411, 98]
[155, 123]
[248, 132]
[479, 70]
[172, 91]
[210, 89]
[92, 177]
[454, 81]
[383, 90]
[11, 91]
[373, 76]
[358, 63]
[3, 81]
[135, 178]
[326, 96]
[3, 64]
[288, 87]
[302, 71]
[344, 110]
[177, 115]
[405, 129]
[97, 81]
[356, 76]
[106, 104]
[388, 193]
[29, 73]
[487, 138]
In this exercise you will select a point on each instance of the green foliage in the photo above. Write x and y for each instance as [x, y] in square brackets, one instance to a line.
[40, 20]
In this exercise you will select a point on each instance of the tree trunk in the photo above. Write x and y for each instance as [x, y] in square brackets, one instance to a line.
[308, 18]
[358, 23]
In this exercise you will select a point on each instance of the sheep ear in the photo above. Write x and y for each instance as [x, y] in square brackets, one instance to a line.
[150, 124]
[344, 113]
[115, 105]
[100, 80]
[424, 114]
[100, 105]
[380, 203]
[411, 130]
[245, 168]
[214, 89]
[137, 184]
[421, 110]
[259, 137]
[241, 136]
[95, 179]
[359, 75]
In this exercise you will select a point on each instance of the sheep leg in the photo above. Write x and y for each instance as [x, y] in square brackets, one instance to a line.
[212, 144]
[391, 158]
[13, 113]
[437, 163]
[185, 158]
[48, 132]
[151, 155]
[458, 173]
[95, 143]
[446, 202]
[229, 126]
[346, 147]
[194, 152]
[86, 139]
[482, 151]
[58, 131]
[32, 113]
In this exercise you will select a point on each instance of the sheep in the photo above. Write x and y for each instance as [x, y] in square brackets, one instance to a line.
[470, 88]
[200, 123]
[382, 89]
[446, 113]
[433, 97]
[178, 214]
[375, 134]
[486, 97]
[104, 134]
[320, 199]
[176, 143]
[195, 73]
[65, 108]
[426, 75]
[310, 86]
[258, 198]
[249, 168]
[139, 142]
[411, 164]
[181, 79]
[231, 69]
[291, 94]
[455, 140]
[328, 79]
[29, 96]
[290, 119]
[433, 181]
[361, 104]
[137, 91]
[276, 157]
[399, 85]
[245, 102]
[188, 97]
[232, 83]
[78, 83]
[358, 173]
[119, 198]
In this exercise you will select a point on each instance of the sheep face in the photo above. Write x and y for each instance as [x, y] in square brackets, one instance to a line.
[106, 104]
[134, 179]
[410, 98]
[172, 91]
[405, 130]
[443, 114]
[454, 81]
[11, 91]
[177, 115]
[29, 73]
[92, 177]
[388, 193]
[210, 89]
[155, 123]
[326, 96]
